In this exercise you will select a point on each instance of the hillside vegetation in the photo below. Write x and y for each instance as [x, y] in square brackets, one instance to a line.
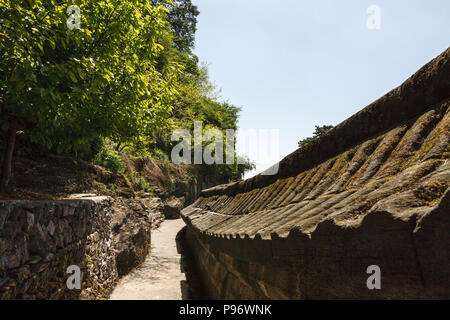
[103, 87]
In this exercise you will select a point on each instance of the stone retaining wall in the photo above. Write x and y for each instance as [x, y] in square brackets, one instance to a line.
[40, 239]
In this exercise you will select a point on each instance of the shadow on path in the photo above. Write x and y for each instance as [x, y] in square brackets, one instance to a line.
[168, 272]
[191, 288]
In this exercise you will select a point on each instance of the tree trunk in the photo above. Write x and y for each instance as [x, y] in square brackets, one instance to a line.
[8, 155]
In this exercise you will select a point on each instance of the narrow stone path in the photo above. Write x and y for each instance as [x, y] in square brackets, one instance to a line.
[162, 275]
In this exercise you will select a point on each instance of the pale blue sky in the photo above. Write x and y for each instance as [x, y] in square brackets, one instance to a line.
[293, 64]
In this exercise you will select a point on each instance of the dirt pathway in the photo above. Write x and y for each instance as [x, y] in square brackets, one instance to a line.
[162, 276]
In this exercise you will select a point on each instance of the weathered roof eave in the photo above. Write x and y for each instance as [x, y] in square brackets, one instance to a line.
[428, 86]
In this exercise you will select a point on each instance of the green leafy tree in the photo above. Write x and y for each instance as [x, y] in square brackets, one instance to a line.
[62, 87]
[320, 130]
[197, 100]
[183, 19]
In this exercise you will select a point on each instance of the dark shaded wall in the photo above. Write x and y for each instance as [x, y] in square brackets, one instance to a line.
[333, 263]
[106, 238]
[40, 239]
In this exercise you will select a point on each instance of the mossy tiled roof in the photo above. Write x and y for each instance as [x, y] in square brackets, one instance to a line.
[393, 156]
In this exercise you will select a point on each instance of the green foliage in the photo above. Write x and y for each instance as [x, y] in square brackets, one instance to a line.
[320, 130]
[142, 184]
[97, 144]
[89, 264]
[128, 76]
[112, 187]
[159, 154]
[109, 158]
[138, 181]
[171, 184]
[183, 20]
[68, 86]
[196, 99]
